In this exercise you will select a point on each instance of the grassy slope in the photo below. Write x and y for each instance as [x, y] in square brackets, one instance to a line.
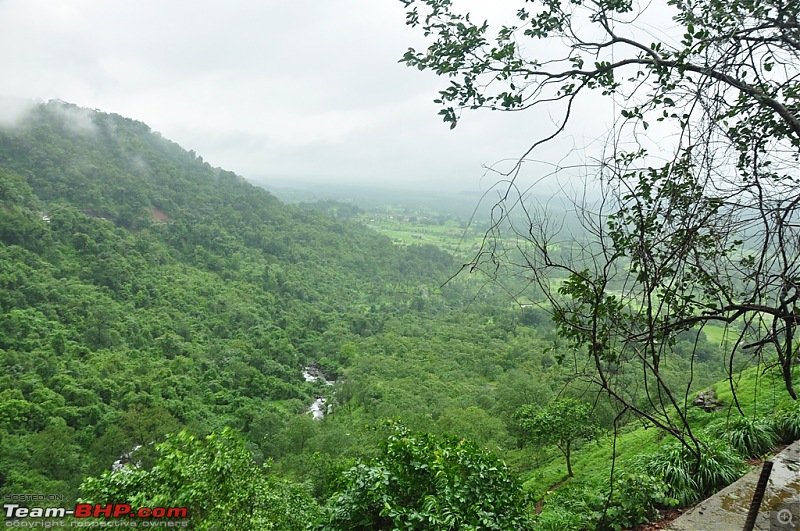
[757, 393]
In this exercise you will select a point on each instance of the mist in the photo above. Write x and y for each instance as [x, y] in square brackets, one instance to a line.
[273, 92]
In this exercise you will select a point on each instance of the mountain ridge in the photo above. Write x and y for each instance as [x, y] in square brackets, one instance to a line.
[117, 328]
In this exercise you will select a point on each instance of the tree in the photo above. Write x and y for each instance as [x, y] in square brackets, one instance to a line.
[421, 481]
[564, 422]
[216, 479]
[695, 218]
[134, 435]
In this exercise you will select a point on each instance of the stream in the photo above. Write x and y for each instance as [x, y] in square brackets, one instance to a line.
[318, 409]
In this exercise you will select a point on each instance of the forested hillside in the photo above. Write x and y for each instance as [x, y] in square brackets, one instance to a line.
[169, 321]
[142, 290]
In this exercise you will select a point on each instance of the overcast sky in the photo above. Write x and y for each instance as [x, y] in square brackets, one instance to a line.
[272, 90]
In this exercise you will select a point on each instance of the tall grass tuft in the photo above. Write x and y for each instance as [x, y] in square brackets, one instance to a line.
[751, 437]
[786, 423]
[688, 478]
[720, 465]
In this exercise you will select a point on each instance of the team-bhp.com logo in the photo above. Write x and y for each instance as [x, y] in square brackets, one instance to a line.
[15, 513]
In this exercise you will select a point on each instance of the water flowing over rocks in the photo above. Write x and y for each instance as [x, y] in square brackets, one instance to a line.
[318, 409]
[126, 459]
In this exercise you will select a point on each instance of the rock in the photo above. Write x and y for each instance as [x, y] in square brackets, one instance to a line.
[708, 401]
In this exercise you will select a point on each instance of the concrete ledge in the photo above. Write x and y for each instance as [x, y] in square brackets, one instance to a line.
[727, 509]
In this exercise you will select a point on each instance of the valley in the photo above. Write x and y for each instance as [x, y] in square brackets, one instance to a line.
[158, 308]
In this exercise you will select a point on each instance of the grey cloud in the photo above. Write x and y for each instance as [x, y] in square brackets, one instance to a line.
[78, 120]
[14, 110]
[299, 89]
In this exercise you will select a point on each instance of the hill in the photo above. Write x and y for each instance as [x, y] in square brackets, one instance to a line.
[161, 313]
[142, 290]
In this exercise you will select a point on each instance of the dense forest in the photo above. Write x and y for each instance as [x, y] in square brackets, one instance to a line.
[165, 327]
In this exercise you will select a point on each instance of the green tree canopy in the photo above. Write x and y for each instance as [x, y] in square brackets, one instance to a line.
[216, 479]
[564, 422]
[421, 481]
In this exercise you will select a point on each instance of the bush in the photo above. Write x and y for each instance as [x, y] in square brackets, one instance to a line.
[421, 481]
[749, 437]
[786, 423]
[688, 478]
[216, 479]
[636, 500]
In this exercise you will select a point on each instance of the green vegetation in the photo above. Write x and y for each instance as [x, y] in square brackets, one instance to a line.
[143, 291]
[420, 481]
[693, 226]
[688, 480]
[564, 422]
[157, 314]
[750, 437]
[215, 479]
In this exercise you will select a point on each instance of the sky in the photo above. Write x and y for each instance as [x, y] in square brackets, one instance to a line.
[276, 91]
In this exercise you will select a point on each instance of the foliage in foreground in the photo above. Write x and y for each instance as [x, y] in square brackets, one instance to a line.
[635, 500]
[688, 478]
[216, 479]
[421, 481]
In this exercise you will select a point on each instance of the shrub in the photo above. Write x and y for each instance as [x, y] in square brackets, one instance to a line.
[421, 481]
[690, 479]
[749, 437]
[636, 500]
[216, 478]
[786, 423]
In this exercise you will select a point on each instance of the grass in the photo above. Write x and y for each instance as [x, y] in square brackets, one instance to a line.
[449, 236]
[715, 334]
[591, 462]
[760, 393]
